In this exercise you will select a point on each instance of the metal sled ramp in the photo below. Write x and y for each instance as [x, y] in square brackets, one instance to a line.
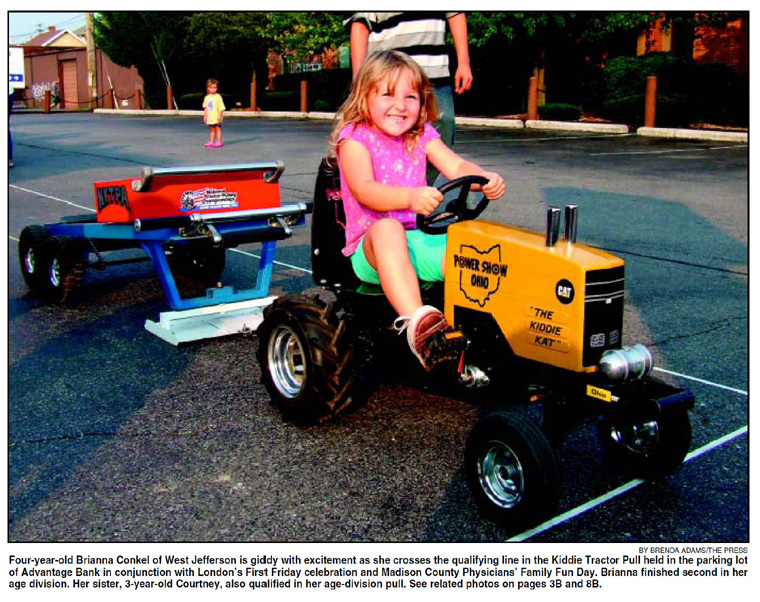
[184, 326]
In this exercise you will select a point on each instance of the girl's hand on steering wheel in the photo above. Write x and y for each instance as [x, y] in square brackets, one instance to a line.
[496, 186]
[425, 200]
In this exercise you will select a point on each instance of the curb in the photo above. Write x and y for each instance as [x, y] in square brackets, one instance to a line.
[512, 124]
[227, 114]
[577, 126]
[515, 124]
[694, 134]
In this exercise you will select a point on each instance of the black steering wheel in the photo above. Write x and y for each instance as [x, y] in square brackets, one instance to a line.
[456, 210]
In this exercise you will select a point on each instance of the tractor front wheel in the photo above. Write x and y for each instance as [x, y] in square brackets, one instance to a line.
[649, 448]
[511, 469]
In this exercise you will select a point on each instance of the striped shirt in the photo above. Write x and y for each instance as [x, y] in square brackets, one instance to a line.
[421, 35]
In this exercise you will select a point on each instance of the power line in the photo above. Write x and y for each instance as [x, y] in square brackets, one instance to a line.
[40, 29]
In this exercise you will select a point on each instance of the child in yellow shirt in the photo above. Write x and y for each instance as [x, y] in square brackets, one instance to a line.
[213, 113]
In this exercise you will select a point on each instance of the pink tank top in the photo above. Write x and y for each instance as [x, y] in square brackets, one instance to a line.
[393, 164]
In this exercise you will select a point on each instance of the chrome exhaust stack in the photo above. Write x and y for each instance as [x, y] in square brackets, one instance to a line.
[552, 226]
[553, 217]
[571, 223]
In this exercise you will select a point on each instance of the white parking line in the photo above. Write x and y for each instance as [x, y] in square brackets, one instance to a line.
[545, 139]
[590, 505]
[287, 265]
[54, 198]
[668, 151]
[704, 382]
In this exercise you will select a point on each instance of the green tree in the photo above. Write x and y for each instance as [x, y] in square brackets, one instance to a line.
[308, 33]
[539, 41]
[232, 45]
[541, 38]
[241, 41]
[154, 42]
[538, 30]
[193, 46]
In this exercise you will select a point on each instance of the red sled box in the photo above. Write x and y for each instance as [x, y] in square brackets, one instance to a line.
[180, 191]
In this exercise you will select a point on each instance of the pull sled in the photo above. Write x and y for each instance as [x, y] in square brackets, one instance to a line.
[183, 219]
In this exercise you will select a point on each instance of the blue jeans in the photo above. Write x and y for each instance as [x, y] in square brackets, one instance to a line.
[446, 125]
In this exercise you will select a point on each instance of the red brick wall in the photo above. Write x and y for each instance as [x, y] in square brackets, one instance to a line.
[729, 45]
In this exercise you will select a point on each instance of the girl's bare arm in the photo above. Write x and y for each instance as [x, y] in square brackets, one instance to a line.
[356, 165]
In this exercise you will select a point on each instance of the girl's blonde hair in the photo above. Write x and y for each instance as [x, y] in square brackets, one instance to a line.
[374, 70]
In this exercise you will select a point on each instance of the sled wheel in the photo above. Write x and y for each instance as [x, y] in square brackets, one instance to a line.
[307, 361]
[30, 245]
[650, 448]
[204, 264]
[511, 470]
[61, 268]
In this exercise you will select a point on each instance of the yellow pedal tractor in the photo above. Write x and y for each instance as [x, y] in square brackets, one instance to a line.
[544, 321]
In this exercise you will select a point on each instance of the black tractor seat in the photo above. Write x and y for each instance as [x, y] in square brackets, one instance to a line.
[330, 268]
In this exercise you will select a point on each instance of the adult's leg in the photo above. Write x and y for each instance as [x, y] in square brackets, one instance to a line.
[446, 124]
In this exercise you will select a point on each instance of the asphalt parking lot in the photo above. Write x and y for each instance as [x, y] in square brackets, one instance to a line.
[115, 435]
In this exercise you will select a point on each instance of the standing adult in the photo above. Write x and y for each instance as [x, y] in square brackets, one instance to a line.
[421, 35]
[11, 98]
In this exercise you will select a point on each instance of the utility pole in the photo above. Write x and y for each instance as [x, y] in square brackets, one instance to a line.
[92, 64]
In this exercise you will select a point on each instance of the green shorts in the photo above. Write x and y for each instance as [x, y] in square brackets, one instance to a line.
[425, 250]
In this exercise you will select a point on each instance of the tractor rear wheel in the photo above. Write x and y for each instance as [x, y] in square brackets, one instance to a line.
[308, 362]
[511, 469]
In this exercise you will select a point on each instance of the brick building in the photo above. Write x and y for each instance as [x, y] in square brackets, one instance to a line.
[709, 44]
[729, 45]
[56, 61]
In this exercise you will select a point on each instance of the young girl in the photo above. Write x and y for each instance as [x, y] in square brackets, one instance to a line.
[383, 142]
[213, 113]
